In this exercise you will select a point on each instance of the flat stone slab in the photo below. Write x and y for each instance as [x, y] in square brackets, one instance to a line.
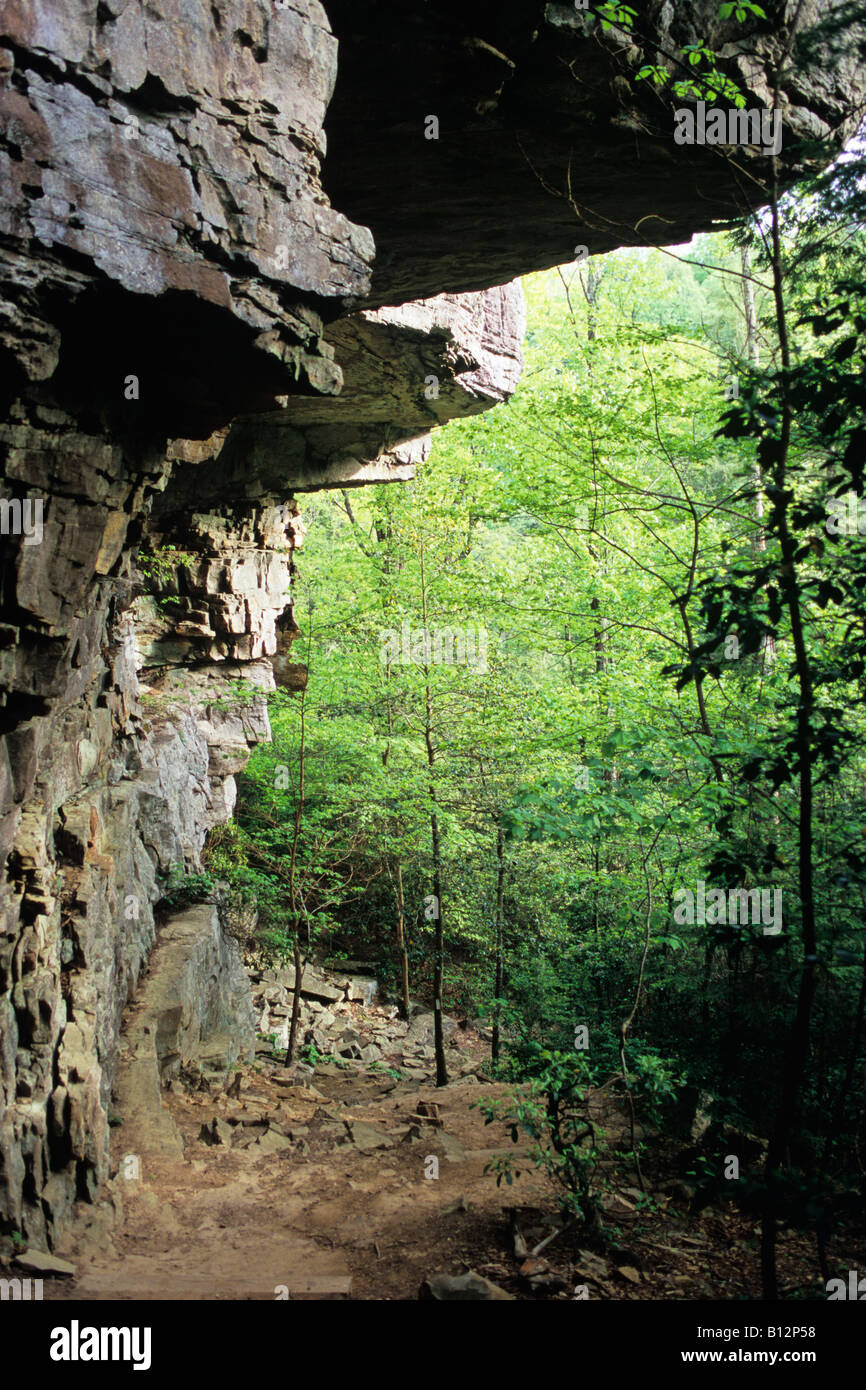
[40, 1262]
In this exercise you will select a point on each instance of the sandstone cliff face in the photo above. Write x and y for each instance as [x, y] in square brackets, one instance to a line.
[197, 326]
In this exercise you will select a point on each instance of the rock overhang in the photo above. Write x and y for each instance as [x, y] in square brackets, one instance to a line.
[547, 141]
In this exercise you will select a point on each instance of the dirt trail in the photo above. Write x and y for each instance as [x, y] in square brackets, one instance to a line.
[341, 1208]
[351, 1182]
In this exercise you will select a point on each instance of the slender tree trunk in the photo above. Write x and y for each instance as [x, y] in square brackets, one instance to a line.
[591, 288]
[439, 954]
[293, 859]
[753, 354]
[298, 964]
[596, 893]
[625, 1026]
[400, 902]
[436, 845]
[402, 954]
[500, 892]
[798, 1041]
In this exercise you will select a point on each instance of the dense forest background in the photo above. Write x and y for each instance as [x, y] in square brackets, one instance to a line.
[597, 669]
